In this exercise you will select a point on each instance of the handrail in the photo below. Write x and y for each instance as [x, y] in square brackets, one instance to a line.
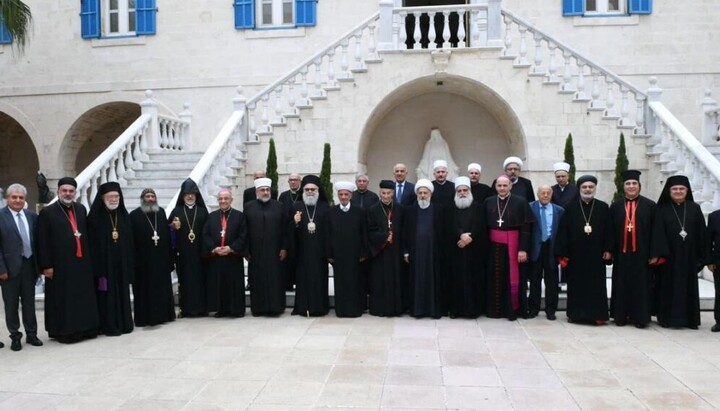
[450, 8]
[577, 54]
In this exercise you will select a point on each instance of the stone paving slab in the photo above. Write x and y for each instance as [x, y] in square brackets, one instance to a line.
[369, 363]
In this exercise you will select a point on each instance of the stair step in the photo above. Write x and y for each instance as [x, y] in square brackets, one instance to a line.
[167, 165]
[157, 182]
[193, 156]
[161, 174]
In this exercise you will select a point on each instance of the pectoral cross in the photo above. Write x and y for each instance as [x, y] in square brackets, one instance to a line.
[155, 237]
[630, 227]
[500, 221]
[77, 234]
[222, 233]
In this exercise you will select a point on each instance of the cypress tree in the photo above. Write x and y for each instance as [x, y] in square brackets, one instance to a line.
[325, 173]
[621, 166]
[570, 157]
[271, 167]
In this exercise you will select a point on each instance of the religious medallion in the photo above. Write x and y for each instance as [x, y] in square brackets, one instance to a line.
[191, 236]
[588, 229]
[311, 227]
[115, 235]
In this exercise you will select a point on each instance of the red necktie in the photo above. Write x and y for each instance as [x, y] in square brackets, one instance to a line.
[73, 224]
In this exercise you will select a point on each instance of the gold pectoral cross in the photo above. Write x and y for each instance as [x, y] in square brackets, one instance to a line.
[155, 237]
[630, 227]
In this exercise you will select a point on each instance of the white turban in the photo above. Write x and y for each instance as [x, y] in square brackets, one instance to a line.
[262, 182]
[511, 160]
[344, 185]
[561, 166]
[439, 163]
[424, 182]
[474, 166]
[462, 181]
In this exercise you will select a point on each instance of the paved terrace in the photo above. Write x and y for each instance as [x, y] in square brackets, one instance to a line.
[295, 363]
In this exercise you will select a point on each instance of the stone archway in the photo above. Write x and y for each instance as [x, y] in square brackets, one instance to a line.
[478, 125]
[18, 158]
[93, 132]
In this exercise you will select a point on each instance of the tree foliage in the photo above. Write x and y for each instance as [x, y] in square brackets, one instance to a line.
[325, 173]
[621, 166]
[569, 155]
[272, 165]
[18, 19]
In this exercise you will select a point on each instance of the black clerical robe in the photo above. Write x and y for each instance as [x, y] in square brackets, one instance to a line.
[250, 195]
[521, 187]
[225, 274]
[466, 285]
[266, 224]
[678, 302]
[364, 199]
[288, 198]
[188, 259]
[564, 195]
[713, 256]
[508, 221]
[153, 291]
[346, 244]
[586, 280]
[386, 279]
[311, 275]
[632, 276]
[70, 301]
[424, 234]
[480, 192]
[114, 267]
[443, 194]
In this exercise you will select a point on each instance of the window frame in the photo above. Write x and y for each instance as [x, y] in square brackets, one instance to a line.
[124, 20]
[277, 14]
[602, 8]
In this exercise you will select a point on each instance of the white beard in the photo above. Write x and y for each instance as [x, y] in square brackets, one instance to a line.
[586, 197]
[463, 203]
[150, 208]
[423, 204]
[112, 207]
[264, 199]
[310, 200]
[66, 202]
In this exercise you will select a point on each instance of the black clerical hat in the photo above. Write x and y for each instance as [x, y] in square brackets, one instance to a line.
[387, 184]
[110, 186]
[675, 181]
[584, 179]
[189, 186]
[67, 181]
[631, 175]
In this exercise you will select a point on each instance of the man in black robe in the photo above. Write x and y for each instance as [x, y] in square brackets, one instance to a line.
[443, 191]
[64, 258]
[467, 248]
[307, 233]
[153, 291]
[564, 191]
[384, 238]
[188, 219]
[632, 219]
[224, 241]
[112, 253]
[584, 245]
[479, 190]
[424, 240]
[363, 197]
[266, 222]
[249, 193]
[508, 218]
[520, 186]
[678, 239]
[288, 198]
[713, 241]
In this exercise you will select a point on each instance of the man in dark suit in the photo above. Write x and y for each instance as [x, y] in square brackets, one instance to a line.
[542, 255]
[18, 268]
[404, 190]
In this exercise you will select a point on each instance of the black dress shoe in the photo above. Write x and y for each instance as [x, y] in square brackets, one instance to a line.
[715, 328]
[2, 344]
[16, 345]
[34, 341]
[551, 316]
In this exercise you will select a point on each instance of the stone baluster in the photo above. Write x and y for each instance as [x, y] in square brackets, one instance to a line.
[395, 33]
[522, 60]
[680, 155]
[624, 109]
[480, 32]
[318, 92]
[252, 125]
[432, 35]
[359, 62]
[402, 32]
[186, 116]
[417, 35]
[537, 69]
[163, 134]
[567, 86]
[688, 165]
[120, 168]
[93, 187]
[150, 107]
[84, 197]
[128, 160]
[552, 77]
[373, 55]
[331, 83]
[137, 164]
[580, 95]
[265, 115]
[345, 73]
[640, 114]
[707, 190]
[446, 31]
[279, 118]
[508, 52]
[610, 112]
[596, 103]
[461, 28]
[104, 174]
[696, 176]
[292, 110]
[711, 119]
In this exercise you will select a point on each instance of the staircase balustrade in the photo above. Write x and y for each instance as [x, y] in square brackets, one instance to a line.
[711, 120]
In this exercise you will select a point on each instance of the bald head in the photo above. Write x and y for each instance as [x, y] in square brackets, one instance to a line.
[544, 193]
[400, 172]
[259, 174]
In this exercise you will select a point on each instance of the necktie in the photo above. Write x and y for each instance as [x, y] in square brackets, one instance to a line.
[27, 250]
[543, 222]
[400, 191]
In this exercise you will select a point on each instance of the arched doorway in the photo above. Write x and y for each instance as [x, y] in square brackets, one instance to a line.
[478, 125]
[93, 132]
[18, 158]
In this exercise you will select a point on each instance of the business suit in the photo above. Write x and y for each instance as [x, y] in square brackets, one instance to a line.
[542, 258]
[408, 194]
[22, 272]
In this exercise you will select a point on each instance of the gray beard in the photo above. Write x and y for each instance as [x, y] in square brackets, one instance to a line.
[586, 197]
[264, 199]
[112, 207]
[66, 202]
[149, 208]
[423, 204]
[463, 203]
[310, 200]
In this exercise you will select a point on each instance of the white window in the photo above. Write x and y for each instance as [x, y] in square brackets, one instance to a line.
[605, 6]
[118, 17]
[275, 13]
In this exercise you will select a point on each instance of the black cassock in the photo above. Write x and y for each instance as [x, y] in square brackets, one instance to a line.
[188, 259]
[346, 243]
[678, 296]
[563, 196]
[586, 280]
[521, 187]
[225, 274]
[467, 265]
[308, 248]
[501, 291]
[154, 303]
[70, 302]
[364, 199]
[632, 276]
[386, 285]
[266, 224]
[443, 194]
[113, 263]
[287, 199]
[423, 239]
[480, 192]
[713, 253]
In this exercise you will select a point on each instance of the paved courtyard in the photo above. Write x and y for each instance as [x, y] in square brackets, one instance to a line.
[294, 363]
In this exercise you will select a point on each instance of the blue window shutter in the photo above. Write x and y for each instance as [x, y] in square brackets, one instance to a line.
[5, 36]
[573, 7]
[145, 17]
[90, 18]
[244, 14]
[639, 6]
[305, 12]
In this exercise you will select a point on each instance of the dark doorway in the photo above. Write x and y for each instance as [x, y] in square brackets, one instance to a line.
[439, 23]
